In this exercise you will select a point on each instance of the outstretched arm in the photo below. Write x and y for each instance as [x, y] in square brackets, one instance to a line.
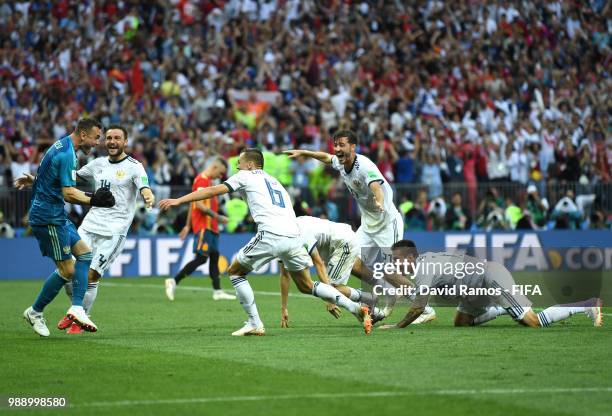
[320, 156]
[284, 287]
[317, 261]
[323, 277]
[101, 198]
[414, 312]
[198, 195]
[417, 308]
[74, 196]
[207, 211]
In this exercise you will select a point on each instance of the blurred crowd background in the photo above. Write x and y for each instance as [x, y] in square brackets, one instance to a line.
[488, 114]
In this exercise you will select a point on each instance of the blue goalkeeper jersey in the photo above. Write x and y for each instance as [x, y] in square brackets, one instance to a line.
[56, 170]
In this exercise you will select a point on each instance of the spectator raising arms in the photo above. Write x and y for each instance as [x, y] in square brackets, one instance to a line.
[439, 91]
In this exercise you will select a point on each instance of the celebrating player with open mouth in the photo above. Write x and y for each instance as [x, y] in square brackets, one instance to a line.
[57, 237]
[278, 236]
[104, 229]
[381, 223]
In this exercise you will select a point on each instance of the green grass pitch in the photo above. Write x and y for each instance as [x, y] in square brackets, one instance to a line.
[152, 356]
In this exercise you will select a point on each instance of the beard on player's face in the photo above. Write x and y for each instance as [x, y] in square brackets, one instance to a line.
[114, 149]
[342, 152]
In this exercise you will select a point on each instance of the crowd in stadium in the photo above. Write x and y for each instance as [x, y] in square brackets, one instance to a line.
[444, 96]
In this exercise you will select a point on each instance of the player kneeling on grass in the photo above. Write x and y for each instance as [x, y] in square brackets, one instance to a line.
[434, 272]
[278, 236]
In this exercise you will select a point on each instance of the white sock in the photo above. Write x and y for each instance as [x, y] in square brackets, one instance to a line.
[355, 294]
[358, 295]
[491, 313]
[378, 313]
[244, 293]
[331, 294]
[90, 296]
[558, 313]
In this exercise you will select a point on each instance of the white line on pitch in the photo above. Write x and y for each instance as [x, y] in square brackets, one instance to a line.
[196, 288]
[470, 392]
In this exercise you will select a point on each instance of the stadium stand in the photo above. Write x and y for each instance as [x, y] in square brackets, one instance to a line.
[482, 114]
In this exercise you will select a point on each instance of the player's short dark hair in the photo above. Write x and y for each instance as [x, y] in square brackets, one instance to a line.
[350, 135]
[408, 244]
[85, 125]
[254, 155]
[118, 127]
[223, 162]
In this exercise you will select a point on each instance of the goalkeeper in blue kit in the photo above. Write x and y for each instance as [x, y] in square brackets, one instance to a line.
[56, 235]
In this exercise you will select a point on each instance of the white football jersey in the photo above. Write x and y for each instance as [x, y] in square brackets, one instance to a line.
[325, 234]
[439, 270]
[125, 179]
[268, 201]
[358, 181]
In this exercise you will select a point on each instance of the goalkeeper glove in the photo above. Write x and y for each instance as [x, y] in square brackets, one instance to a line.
[101, 198]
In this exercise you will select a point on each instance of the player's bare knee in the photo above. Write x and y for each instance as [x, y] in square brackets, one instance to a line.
[66, 269]
[80, 248]
[93, 276]
[304, 286]
[302, 282]
[235, 269]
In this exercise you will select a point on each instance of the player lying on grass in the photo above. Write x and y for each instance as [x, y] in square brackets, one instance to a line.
[333, 251]
[381, 223]
[434, 273]
[57, 237]
[104, 229]
[277, 236]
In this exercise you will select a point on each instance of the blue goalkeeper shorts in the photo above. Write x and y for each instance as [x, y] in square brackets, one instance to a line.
[56, 241]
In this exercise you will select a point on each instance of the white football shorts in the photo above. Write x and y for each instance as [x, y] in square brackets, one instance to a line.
[265, 246]
[104, 249]
[340, 263]
[377, 246]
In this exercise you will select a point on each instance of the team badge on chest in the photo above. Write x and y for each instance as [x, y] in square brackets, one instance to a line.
[120, 174]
